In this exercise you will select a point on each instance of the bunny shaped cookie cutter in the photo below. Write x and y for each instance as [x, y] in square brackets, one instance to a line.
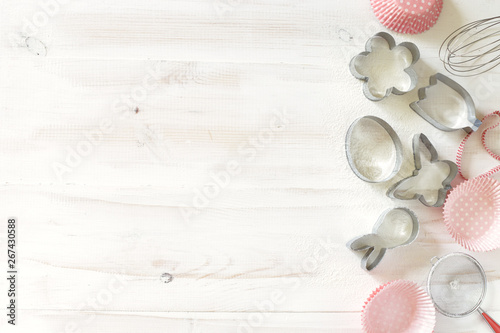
[396, 192]
[395, 227]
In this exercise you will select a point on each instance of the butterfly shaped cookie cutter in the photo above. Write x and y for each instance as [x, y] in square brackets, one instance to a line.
[474, 123]
[388, 233]
[419, 139]
[415, 55]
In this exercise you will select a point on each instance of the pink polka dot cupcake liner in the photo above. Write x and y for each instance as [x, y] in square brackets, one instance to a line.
[472, 214]
[407, 16]
[398, 307]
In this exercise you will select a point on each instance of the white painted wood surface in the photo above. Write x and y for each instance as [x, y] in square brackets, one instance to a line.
[256, 89]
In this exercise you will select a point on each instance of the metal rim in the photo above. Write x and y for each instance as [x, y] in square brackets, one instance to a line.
[483, 275]
[414, 223]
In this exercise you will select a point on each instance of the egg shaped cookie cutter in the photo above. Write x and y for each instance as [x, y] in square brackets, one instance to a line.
[474, 123]
[386, 234]
[398, 147]
[415, 54]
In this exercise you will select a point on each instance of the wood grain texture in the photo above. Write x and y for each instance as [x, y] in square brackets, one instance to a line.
[246, 100]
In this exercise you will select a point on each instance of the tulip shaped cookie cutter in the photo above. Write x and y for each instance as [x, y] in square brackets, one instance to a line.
[474, 123]
[415, 55]
[388, 232]
[419, 139]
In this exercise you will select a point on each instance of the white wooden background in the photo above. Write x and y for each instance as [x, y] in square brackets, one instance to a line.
[260, 87]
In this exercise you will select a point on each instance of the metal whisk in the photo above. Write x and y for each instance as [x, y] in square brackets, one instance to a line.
[473, 48]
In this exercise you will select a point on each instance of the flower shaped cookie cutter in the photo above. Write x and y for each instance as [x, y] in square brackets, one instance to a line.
[358, 70]
[395, 190]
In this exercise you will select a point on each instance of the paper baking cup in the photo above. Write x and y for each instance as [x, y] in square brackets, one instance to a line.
[407, 16]
[398, 306]
[472, 214]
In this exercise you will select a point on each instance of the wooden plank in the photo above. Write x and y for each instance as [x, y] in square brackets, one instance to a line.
[189, 322]
[49, 321]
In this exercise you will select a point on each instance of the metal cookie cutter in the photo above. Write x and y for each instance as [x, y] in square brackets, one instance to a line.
[474, 123]
[415, 55]
[394, 190]
[395, 227]
[365, 175]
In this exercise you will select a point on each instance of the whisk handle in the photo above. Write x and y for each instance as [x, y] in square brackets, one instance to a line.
[491, 322]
